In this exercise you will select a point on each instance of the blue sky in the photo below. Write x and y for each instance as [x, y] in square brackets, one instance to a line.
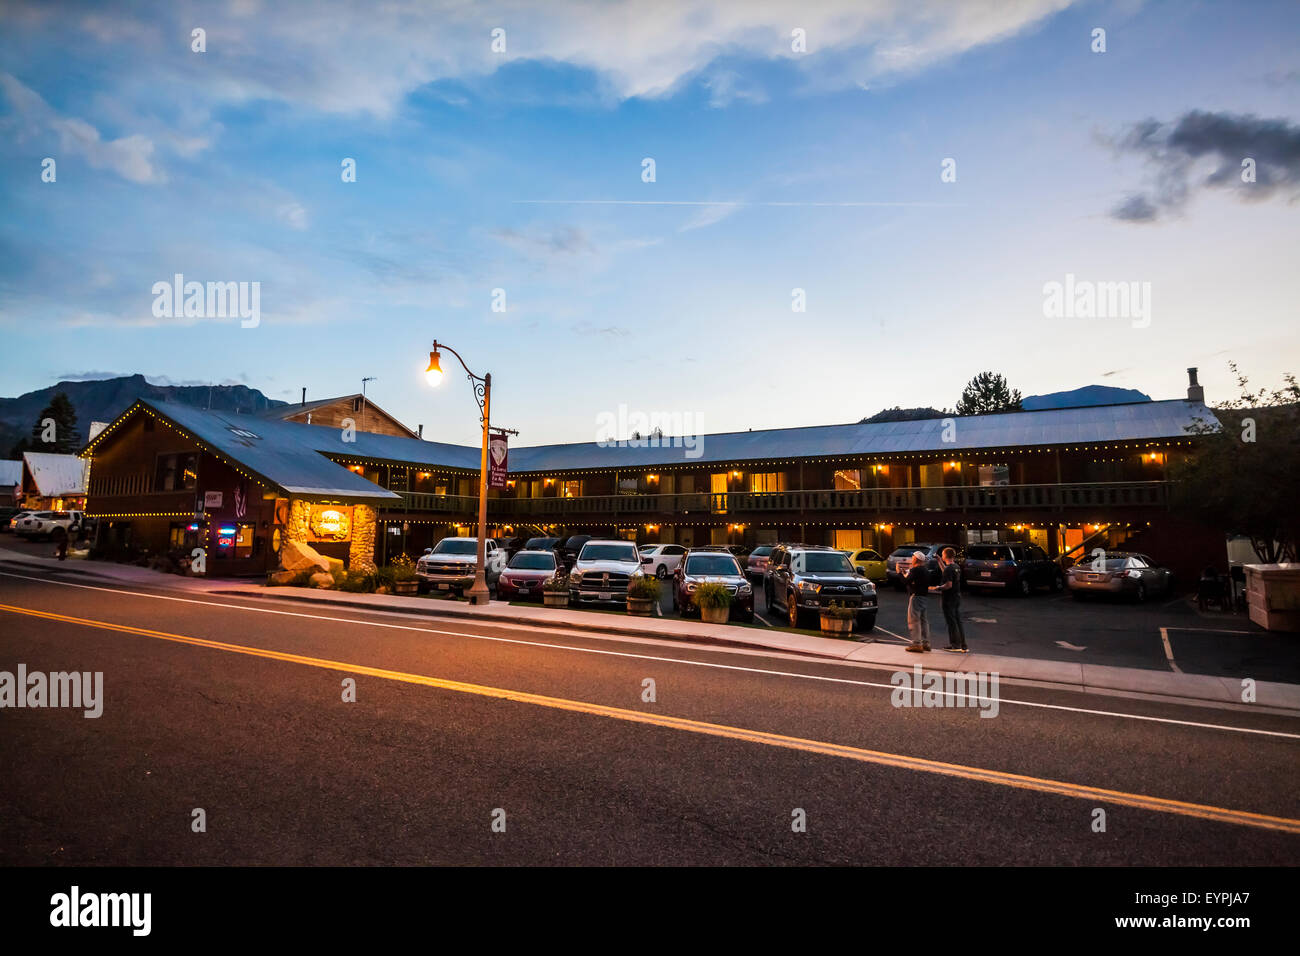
[521, 171]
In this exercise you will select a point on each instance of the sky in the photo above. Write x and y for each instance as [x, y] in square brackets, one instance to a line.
[855, 204]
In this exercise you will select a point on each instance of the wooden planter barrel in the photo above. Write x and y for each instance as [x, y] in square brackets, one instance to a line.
[715, 615]
[835, 627]
[641, 607]
[555, 598]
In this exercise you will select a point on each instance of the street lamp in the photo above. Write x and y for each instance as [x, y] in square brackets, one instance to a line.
[478, 593]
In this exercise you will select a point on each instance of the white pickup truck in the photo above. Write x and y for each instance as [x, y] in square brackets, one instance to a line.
[41, 524]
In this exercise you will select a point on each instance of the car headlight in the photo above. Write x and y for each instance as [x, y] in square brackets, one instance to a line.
[810, 588]
[867, 588]
[744, 589]
[576, 577]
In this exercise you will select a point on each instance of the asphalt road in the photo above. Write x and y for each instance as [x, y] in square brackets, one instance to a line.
[454, 721]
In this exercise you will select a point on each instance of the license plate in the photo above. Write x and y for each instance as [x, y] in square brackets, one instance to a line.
[986, 574]
[1094, 577]
[443, 585]
[522, 590]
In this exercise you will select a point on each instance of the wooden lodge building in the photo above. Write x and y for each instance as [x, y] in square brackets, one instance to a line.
[164, 476]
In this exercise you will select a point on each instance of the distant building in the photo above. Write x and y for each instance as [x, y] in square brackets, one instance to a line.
[54, 482]
[11, 481]
[365, 415]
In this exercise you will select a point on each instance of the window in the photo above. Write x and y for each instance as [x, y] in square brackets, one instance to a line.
[172, 473]
[848, 480]
[767, 481]
[571, 489]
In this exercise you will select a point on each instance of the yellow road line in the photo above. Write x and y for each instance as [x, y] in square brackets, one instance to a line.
[880, 758]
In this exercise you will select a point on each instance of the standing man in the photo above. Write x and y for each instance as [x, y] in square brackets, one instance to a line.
[951, 601]
[918, 586]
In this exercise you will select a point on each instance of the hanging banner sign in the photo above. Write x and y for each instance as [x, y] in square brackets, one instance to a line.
[498, 451]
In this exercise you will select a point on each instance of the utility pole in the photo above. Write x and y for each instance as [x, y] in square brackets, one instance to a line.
[368, 378]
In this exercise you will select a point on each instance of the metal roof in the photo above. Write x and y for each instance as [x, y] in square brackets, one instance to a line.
[285, 453]
[1057, 426]
[11, 473]
[56, 475]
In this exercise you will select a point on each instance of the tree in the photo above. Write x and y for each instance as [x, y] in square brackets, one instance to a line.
[56, 428]
[987, 393]
[1244, 476]
[897, 414]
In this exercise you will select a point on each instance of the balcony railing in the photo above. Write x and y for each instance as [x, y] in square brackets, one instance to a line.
[965, 498]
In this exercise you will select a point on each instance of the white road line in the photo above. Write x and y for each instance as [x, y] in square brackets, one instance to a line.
[647, 657]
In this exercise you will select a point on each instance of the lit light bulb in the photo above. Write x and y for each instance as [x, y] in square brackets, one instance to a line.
[433, 374]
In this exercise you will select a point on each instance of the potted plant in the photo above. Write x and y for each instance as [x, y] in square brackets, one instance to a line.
[555, 591]
[714, 602]
[837, 620]
[403, 577]
[642, 595]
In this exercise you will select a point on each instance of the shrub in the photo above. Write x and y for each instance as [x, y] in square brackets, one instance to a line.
[556, 584]
[712, 595]
[839, 612]
[355, 582]
[303, 578]
[644, 586]
[384, 577]
[402, 568]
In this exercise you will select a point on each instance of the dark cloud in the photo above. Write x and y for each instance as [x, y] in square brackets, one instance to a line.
[1203, 150]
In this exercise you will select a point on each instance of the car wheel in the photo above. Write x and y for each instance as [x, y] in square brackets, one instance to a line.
[866, 623]
[747, 617]
[1023, 587]
[661, 572]
[1140, 594]
[768, 596]
[792, 609]
[1058, 582]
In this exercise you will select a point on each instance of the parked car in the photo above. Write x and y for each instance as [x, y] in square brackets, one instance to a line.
[1121, 573]
[542, 544]
[903, 555]
[571, 548]
[868, 563]
[661, 560]
[1018, 568]
[603, 570]
[803, 579]
[11, 523]
[523, 576]
[712, 567]
[756, 563]
[449, 565]
[41, 524]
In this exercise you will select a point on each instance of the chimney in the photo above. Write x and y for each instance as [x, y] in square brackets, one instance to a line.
[420, 430]
[304, 395]
[1195, 393]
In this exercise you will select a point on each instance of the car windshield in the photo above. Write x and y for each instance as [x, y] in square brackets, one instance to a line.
[868, 556]
[647, 548]
[822, 562]
[761, 551]
[609, 552]
[456, 546]
[711, 564]
[533, 561]
[533, 543]
[987, 552]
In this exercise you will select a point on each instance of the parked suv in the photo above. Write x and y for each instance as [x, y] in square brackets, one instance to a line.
[449, 565]
[41, 524]
[571, 547]
[903, 555]
[712, 567]
[802, 579]
[1018, 568]
[662, 560]
[603, 570]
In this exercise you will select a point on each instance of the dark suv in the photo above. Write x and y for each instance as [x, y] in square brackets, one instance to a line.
[1018, 568]
[802, 579]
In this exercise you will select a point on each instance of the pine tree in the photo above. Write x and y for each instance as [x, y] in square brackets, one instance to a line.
[56, 428]
[987, 393]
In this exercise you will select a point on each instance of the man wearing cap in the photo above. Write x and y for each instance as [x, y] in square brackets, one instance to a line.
[918, 586]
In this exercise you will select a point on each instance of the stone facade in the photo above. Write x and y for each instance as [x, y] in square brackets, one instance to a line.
[361, 552]
[299, 526]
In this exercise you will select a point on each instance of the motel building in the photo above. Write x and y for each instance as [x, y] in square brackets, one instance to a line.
[170, 477]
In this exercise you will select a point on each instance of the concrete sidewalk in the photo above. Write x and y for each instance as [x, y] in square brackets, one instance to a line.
[1098, 678]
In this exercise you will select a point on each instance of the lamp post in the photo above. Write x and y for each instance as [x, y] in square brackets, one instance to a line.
[478, 593]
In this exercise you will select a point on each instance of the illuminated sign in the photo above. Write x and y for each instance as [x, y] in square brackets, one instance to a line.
[329, 523]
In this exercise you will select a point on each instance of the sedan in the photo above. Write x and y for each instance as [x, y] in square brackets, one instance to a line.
[713, 567]
[756, 564]
[1131, 575]
[661, 560]
[523, 576]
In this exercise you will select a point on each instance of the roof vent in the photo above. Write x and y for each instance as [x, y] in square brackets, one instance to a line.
[1195, 393]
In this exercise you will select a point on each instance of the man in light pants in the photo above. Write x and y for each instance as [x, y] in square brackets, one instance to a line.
[918, 586]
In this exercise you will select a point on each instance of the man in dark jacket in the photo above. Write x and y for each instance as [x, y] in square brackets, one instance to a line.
[950, 589]
[918, 587]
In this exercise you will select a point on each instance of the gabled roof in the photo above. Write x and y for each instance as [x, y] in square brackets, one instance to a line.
[285, 412]
[285, 454]
[1057, 426]
[56, 475]
[11, 473]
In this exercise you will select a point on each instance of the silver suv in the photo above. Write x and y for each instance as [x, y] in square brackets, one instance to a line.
[604, 569]
[449, 565]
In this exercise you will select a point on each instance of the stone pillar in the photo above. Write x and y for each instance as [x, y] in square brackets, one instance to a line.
[361, 552]
[298, 528]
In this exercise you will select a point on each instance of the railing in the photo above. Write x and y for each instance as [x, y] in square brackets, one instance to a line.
[965, 498]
